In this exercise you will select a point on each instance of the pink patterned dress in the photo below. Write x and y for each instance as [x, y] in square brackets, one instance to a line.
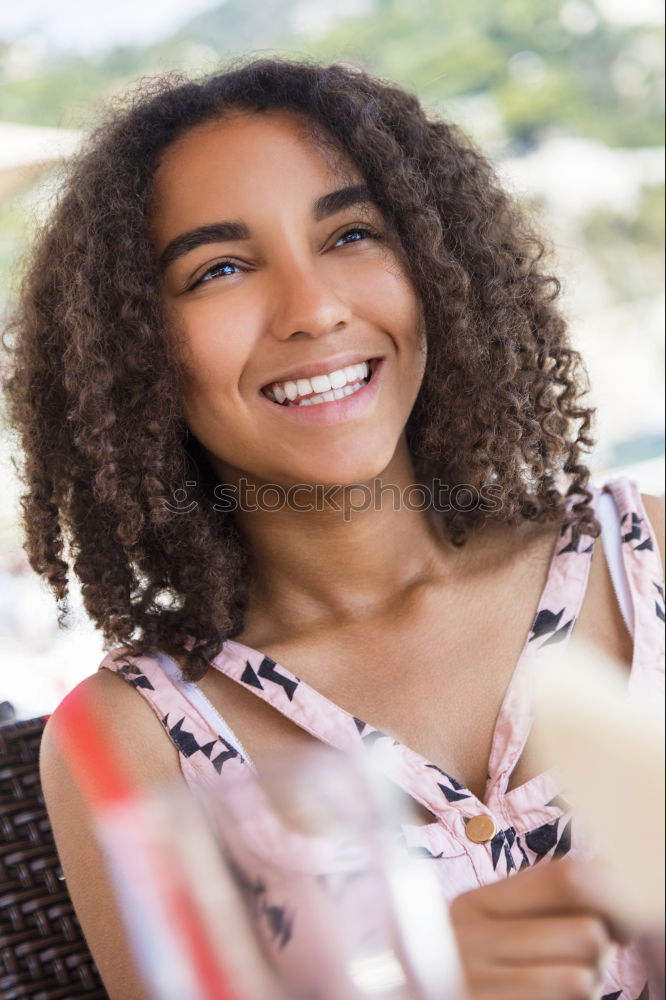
[533, 821]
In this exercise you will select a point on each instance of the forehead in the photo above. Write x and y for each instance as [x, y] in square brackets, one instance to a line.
[242, 160]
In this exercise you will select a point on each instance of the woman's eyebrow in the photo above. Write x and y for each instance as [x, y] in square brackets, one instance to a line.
[221, 232]
[335, 201]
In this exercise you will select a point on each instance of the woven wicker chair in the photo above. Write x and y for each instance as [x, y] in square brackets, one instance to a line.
[43, 954]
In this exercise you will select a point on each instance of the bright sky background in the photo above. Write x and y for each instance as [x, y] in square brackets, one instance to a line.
[88, 27]
[94, 27]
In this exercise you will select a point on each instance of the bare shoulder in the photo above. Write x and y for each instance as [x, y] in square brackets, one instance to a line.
[130, 725]
[655, 508]
[147, 753]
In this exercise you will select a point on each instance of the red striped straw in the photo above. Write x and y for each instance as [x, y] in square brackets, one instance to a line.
[84, 742]
[94, 762]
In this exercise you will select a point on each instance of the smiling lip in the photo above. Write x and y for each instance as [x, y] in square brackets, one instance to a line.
[320, 368]
[335, 410]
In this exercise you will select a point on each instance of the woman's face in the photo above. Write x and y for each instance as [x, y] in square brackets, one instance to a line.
[280, 277]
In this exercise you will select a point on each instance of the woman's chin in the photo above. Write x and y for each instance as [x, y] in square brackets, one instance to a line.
[348, 470]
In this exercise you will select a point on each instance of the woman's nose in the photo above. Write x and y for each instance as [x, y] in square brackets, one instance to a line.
[305, 302]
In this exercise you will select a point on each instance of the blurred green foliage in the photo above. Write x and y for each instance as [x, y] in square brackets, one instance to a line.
[629, 247]
[543, 65]
[512, 72]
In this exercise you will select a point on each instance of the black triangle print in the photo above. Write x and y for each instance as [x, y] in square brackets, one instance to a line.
[558, 802]
[269, 673]
[542, 840]
[525, 863]
[573, 547]
[564, 843]
[253, 889]
[659, 605]
[558, 636]
[612, 996]
[142, 682]
[127, 669]
[647, 544]
[456, 784]
[360, 725]
[186, 742]
[508, 857]
[371, 738]
[130, 672]
[452, 796]
[636, 532]
[280, 924]
[249, 677]
[208, 748]
[222, 758]
[496, 845]
[546, 621]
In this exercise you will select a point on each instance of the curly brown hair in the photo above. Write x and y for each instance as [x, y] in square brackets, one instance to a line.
[94, 386]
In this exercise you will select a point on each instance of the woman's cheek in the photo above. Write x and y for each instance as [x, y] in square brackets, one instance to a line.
[216, 339]
[392, 288]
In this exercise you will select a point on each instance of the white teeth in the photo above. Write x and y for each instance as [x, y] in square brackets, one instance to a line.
[321, 383]
[326, 397]
[319, 387]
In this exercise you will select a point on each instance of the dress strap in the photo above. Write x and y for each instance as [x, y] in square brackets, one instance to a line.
[204, 742]
[635, 567]
[557, 612]
[645, 578]
[195, 696]
[611, 537]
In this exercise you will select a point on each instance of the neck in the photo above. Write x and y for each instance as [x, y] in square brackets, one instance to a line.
[350, 556]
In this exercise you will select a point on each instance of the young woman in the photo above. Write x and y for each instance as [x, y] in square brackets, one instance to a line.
[300, 412]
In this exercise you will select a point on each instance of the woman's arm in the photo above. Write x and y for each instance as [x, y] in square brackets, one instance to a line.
[144, 748]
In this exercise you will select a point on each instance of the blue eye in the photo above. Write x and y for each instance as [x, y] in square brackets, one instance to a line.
[227, 268]
[218, 270]
[357, 234]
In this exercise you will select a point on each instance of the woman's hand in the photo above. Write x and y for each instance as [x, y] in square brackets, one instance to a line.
[544, 934]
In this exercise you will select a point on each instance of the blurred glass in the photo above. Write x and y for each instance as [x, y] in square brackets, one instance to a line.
[185, 917]
[305, 891]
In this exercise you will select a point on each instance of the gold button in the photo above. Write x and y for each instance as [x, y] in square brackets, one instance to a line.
[480, 829]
